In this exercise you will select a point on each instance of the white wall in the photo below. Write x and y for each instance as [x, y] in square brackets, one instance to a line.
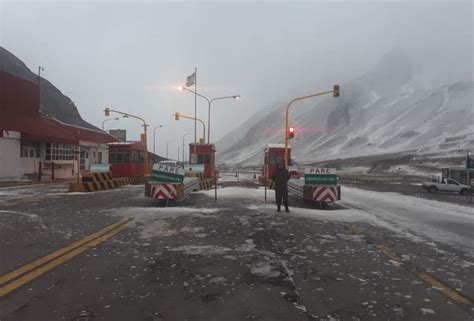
[29, 165]
[93, 150]
[10, 168]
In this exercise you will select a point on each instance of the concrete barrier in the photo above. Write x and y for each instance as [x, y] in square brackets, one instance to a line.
[92, 182]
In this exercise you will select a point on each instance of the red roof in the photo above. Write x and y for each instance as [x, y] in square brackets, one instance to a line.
[18, 95]
[42, 129]
[19, 111]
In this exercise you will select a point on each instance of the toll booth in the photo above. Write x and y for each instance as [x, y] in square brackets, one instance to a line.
[203, 154]
[274, 154]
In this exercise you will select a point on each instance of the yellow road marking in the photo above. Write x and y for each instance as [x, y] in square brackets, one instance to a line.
[452, 294]
[354, 229]
[45, 268]
[51, 197]
[389, 253]
[30, 266]
[446, 290]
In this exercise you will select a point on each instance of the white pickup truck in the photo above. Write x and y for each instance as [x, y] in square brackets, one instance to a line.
[446, 185]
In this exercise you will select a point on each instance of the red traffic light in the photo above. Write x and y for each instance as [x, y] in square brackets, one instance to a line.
[291, 132]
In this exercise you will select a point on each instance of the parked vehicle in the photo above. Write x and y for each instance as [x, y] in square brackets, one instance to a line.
[446, 185]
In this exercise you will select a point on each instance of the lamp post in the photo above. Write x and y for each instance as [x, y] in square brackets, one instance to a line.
[184, 136]
[335, 92]
[106, 120]
[107, 112]
[40, 69]
[209, 102]
[167, 146]
[154, 137]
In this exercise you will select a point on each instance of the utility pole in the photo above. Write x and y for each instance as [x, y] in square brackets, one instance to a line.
[39, 87]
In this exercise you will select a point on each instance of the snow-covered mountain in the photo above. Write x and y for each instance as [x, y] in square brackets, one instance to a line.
[386, 110]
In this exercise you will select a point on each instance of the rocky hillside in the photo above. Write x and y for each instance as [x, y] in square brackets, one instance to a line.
[53, 102]
[387, 110]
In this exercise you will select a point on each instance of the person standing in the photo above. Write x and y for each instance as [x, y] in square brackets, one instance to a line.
[280, 179]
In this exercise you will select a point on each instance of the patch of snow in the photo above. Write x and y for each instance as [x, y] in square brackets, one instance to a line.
[240, 193]
[247, 247]
[411, 216]
[218, 280]
[151, 221]
[264, 269]
[206, 250]
[427, 311]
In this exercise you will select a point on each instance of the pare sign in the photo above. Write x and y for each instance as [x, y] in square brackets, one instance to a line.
[319, 171]
[169, 169]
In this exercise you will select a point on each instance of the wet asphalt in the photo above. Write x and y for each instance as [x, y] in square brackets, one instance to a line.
[234, 259]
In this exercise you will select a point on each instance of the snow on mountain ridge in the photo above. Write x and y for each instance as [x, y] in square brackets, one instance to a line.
[376, 113]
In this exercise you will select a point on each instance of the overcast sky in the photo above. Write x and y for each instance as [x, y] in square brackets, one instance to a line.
[131, 55]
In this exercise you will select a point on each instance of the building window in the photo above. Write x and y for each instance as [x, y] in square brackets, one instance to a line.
[55, 151]
[30, 150]
[119, 156]
[100, 157]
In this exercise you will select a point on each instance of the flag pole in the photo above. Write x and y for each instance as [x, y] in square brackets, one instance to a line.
[195, 108]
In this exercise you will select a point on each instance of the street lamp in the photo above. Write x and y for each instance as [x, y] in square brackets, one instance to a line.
[184, 136]
[106, 120]
[289, 134]
[40, 69]
[209, 102]
[167, 145]
[107, 112]
[154, 137]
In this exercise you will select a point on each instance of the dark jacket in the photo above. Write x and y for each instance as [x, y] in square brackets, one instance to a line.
[280, 178]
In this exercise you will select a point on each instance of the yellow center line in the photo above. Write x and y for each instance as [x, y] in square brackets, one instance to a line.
[45, 268]
[389, 253]
[443, 288]
[446, 290]
[30, 266]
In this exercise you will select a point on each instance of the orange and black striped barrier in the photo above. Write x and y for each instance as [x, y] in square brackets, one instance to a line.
[92, 182]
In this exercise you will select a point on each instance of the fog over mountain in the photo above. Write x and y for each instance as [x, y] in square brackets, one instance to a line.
[131, 56]
[388, 109]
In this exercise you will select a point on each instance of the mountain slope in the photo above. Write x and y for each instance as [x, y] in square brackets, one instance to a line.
[384, 111]
[53, 102]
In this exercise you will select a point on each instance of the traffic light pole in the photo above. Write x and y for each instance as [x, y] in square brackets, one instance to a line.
[287, 138]
[178, 115]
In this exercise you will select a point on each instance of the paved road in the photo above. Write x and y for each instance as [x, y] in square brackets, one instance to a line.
[237, 259]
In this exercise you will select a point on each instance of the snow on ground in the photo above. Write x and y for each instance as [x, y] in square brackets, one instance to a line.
[206, 250]
[414, 170]
[415, 218]
[231, 176]
[418, 219]
[27, 191]
[151, 221]
[241, 192]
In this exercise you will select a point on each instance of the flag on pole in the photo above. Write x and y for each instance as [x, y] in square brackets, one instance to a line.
[191, 79]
